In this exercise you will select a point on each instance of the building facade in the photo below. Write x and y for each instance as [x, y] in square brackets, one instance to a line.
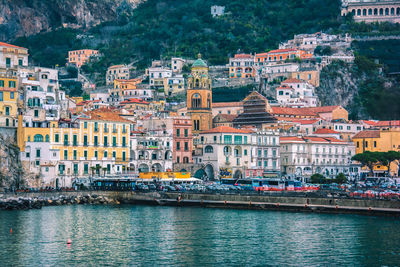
[81, 57]
[199, 97]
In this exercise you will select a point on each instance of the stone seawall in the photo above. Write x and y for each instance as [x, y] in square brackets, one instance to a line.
[262, 202]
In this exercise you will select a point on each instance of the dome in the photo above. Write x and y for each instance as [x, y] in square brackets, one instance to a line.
[199, 62]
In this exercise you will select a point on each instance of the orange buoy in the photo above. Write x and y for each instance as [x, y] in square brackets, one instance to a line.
[336, 206]
[10, 230]
[277, 204]
[69, 241]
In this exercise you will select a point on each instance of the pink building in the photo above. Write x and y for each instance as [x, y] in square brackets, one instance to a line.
[183, 143]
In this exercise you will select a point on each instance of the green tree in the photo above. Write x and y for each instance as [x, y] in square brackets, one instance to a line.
[317, 178]
[341, 178]
[368, 159]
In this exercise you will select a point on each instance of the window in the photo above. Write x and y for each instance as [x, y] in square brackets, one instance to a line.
[56, 138]
[178, 146]
[358, 144]
[38, 138]
[105, 141]
[114, 154]
[85, 125]
[38, 153]
[85, 168]
[227, 139]
[47, 138]
[177, 159]
[96, 154]
[123, 155]
[208, 149]
[75, 154]
[238, 139]
[96, 141]
[245, 152]
[65, 154]
[36, 113]
[374, 143]
[85, 154]
[105, 154]
[186, 146]
[186, 133]
[366, 143]
[123, 141]
[7, 111]
[11, 95]
[96, 127]
[75, 168]
[65, 139]
[12, 84]
[1, 96]
[114, 141]
[245, 140]
[75, 140]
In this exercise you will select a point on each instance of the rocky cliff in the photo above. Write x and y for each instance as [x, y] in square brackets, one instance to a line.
[11, 172]
[27, 17]
[339, 85]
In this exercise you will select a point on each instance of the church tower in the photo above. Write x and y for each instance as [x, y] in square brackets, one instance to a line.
[199, 97]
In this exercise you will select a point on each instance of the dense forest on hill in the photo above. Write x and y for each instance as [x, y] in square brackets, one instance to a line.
[185, 28]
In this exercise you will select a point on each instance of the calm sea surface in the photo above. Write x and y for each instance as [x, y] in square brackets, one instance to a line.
[149, 236]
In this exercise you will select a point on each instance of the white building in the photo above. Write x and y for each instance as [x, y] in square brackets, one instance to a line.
[151, 151]
[177, 64]
[296, 93]
[117, 72]
[12, 56]
[227, 152]
[157, 76]
[304, 156]
[43, 100]
[217, 11]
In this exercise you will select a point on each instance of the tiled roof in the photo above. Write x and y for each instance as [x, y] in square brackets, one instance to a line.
[284, 87]
[290, 138]
[387, 123]
[134, 101]
[304, 122]
[282, 50]
[368, 134]
[325, 131]
[227, 104]
[292, 80]
[105, 114]
[226, 129]
[323, 109]
[243, 56]
[293, 111]
[371, 123]
[82, 103]
[11, 46]
[226, 117]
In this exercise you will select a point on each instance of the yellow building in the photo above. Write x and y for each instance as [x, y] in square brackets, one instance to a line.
[379, 141]
[8, 101]
[95, 144]
[121, 86]
[311, 76]
[199, 97]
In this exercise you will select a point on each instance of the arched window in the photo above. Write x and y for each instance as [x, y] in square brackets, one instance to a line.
[387, 12]
[358, 12]
[208, 149]
[227, 151]
[208, 101]
[369, 12]
[47, 138]
[196, 125]
[364, 12]
[375, 11]
[38, 138]
[196, 101]
[381, 11]
[197, 83]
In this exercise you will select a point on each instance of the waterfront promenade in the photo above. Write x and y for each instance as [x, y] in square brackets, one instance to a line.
[322, 202]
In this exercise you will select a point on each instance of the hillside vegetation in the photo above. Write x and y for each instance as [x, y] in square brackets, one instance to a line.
[185, 28]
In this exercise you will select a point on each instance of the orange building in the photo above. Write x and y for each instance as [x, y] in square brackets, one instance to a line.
[241, 66]
[281, 55]
[81, 57]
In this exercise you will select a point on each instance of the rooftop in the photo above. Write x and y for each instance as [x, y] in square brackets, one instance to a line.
[227, 104]
[368, 134]
[325, 131]
[226, 129]
[11, 46]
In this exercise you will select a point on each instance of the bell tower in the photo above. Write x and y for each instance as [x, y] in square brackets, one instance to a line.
[199, 97]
